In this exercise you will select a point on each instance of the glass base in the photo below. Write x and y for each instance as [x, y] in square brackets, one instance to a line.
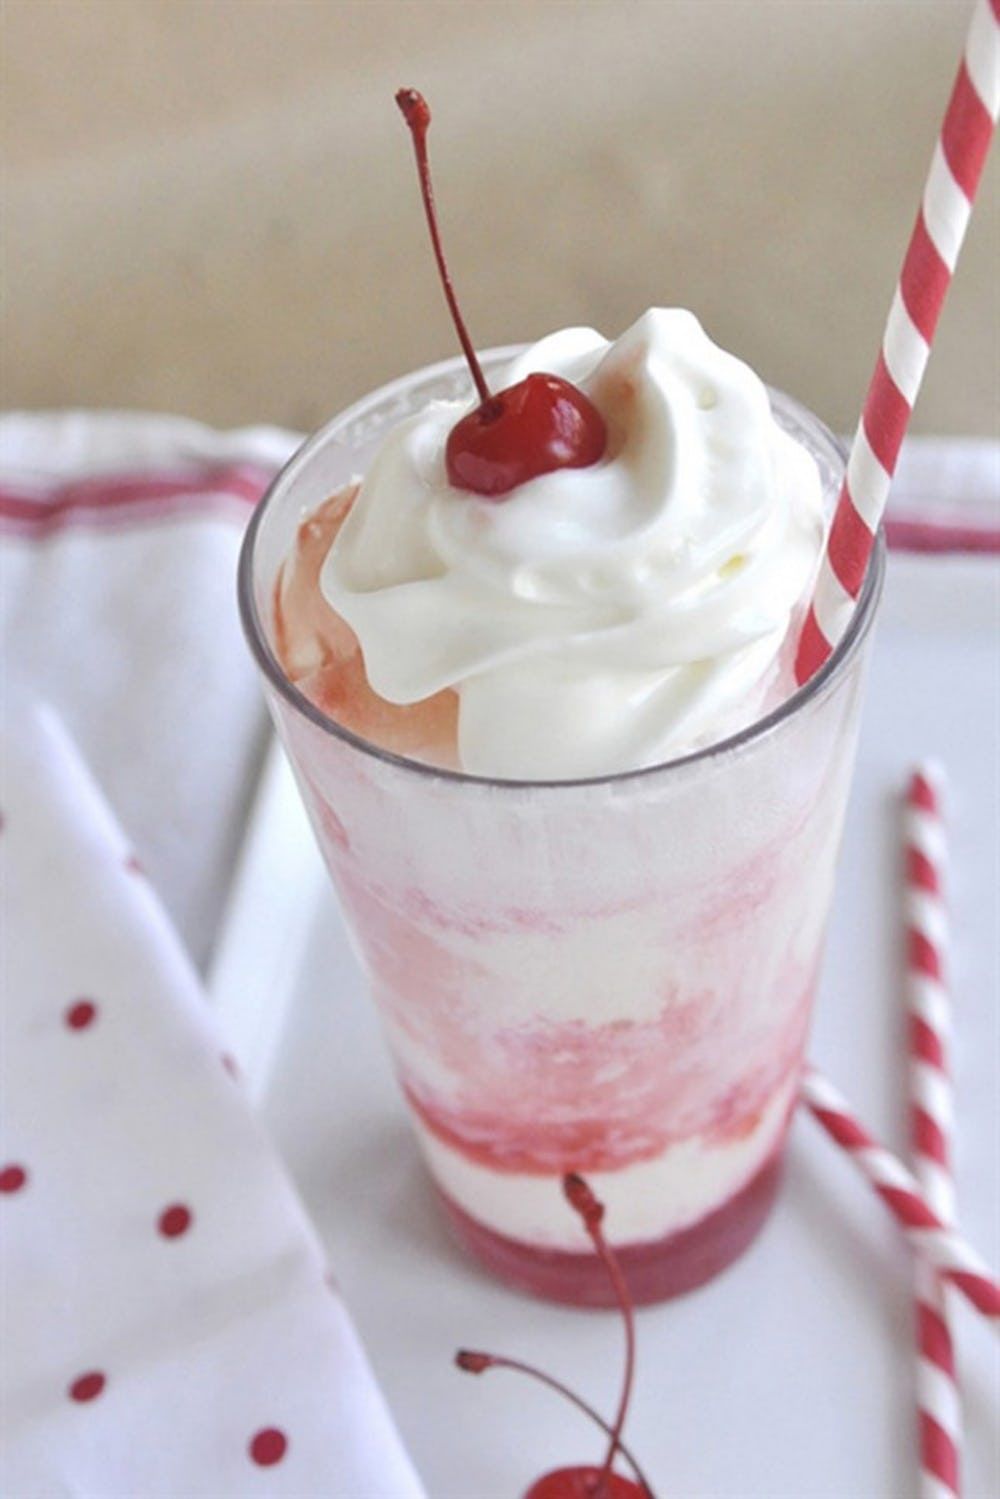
[655, 1269]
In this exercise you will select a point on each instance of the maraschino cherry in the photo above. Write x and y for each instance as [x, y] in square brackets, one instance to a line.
[583, 1482]
[540, 424]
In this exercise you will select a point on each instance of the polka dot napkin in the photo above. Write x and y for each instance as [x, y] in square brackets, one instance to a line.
[170, 1326]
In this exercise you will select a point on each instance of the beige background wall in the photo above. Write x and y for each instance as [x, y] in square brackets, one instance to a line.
[211, 209]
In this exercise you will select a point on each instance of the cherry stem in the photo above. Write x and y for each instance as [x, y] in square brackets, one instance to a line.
[416, 112]
[582, 1200]
[478, 1363]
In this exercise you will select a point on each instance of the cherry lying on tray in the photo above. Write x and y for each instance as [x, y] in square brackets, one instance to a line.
[583, 1482]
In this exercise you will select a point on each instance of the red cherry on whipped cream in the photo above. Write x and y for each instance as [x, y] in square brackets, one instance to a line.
[541, 424]
[583, 1482]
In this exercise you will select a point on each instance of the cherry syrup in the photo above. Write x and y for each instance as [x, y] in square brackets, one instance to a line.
[540, 424]
[583, 1482]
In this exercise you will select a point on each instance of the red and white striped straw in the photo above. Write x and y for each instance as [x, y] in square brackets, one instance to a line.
[928, 265]
[939, 1411]
[943, 1247]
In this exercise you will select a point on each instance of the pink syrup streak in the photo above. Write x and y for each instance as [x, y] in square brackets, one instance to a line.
[527, 1118]
[322, 656]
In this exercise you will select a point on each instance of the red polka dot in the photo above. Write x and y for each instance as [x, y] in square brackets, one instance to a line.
[87, 1386]
[12, 1178]
[80, 1014]
[175, 1220]
[230, 1064]
[268, 1447]
[133, 866]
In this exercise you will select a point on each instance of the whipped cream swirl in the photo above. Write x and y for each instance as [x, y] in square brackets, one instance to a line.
[602, 619]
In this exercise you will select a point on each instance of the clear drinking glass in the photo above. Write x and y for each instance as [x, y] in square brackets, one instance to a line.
[612, 976]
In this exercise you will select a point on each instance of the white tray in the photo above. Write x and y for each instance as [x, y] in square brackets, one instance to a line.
[792, 1375]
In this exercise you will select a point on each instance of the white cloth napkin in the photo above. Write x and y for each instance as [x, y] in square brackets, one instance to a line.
[949, 476]
[119, 535]
[171, 1328]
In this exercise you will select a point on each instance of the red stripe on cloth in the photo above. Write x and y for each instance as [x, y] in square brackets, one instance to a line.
[119, 519]
[937, 1451]
[116, 502]
[849, 545]
[966, 133]
[885, 416]
[906, 535]
[923, 280]
[920, 793]
[921, 872]
[925, 1043]
[103, 491]
[928, 1137]
[813, 649]
[934, 1338]
[922, 955]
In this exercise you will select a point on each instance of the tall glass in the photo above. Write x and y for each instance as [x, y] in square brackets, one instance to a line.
[613, 976]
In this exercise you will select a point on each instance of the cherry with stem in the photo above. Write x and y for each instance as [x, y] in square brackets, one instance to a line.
[584, 1482]
[416, 112]
[541, 424]
[474, 1362]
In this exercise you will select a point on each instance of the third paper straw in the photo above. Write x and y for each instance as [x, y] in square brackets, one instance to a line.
[939, 1413]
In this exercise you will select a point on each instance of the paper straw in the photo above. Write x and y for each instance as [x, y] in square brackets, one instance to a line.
[929, 263]
[939, 1411]
[954, 1259]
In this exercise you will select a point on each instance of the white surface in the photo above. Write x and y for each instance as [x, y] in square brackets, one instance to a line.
[269, 915]
[791, 1375]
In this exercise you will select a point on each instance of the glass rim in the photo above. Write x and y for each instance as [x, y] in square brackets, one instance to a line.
[818, 685]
